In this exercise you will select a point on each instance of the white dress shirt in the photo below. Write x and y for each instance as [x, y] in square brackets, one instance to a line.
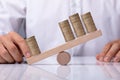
[41, 17]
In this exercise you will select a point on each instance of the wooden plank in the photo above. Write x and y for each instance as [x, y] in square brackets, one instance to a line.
[65, 46]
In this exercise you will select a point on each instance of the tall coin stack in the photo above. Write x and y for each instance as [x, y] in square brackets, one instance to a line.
[89, 23]
[66, 30]
[77, 25]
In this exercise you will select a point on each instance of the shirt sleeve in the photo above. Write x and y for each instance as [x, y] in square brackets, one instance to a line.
[12, 15]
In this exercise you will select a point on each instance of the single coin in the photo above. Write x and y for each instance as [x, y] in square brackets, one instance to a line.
[63, 58]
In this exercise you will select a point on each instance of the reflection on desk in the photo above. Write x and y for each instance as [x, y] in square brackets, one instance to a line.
[80, 68]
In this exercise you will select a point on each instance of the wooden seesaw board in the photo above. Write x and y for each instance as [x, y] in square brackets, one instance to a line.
[65, 46]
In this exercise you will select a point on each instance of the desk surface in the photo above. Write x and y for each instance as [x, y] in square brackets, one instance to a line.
[80, 68]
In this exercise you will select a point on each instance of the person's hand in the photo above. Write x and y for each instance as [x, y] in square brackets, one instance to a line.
[111, 51]
[12, 48]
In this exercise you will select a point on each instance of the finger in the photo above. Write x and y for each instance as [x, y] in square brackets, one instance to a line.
[107, 48]
[111, 53]
[117, 57]
[18, 40]
[2, 61]
[14, 52]
[5, 55]
[101, 56]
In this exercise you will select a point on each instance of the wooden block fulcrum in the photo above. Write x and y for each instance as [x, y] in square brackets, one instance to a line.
[34, 48]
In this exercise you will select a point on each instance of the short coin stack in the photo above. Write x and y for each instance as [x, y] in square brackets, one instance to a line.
[32, 43]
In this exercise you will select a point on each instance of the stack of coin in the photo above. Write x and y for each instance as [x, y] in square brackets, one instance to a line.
[66, 30]
[89, 23]
[77, 25]
[32, 43]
